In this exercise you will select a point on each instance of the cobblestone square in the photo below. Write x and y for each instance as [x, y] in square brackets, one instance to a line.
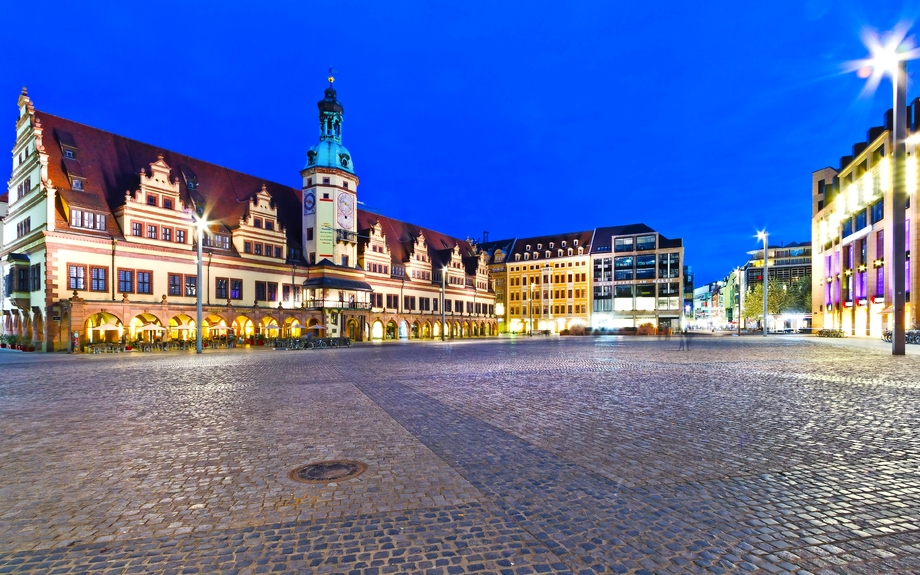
[503, 456]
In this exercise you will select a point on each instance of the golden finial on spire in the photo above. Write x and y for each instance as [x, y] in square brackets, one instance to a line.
[332, 72]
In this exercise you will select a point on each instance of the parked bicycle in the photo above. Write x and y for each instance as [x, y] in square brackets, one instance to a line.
[911, 336]
[310, 342]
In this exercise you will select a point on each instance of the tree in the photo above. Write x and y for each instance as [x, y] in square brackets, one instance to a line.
[794, 297]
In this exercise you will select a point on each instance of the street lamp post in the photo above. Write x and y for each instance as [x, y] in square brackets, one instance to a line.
[898, 209]
[891, 58]
[763, 236]
[114, 276]
[530, 302]
[200, 225]
[443, 311]
[739, 319]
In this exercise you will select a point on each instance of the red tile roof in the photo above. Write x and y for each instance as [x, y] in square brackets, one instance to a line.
[5, 198]
[111, 165]
[401, 236]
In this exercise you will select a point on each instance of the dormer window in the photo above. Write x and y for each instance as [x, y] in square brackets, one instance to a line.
[575, 243]
[151, 200]
[536, 255]
[551, 245]
[548, 253]
[563, 243]
[517, 257]
[269, 225]
[257, 222]
[528, 247]
[68, 154]
[539, 246]
[167, 204]
[77, 184]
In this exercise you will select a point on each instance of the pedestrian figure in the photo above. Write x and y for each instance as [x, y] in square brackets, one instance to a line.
[683, 340]
[686, 337]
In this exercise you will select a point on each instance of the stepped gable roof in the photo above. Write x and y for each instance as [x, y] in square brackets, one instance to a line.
[112, 164]
[400, 238]
[584, 241]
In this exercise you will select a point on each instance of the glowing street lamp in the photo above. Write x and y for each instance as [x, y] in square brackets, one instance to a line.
[443, 311]
[890, 58]
[763, 236]
[200, 223]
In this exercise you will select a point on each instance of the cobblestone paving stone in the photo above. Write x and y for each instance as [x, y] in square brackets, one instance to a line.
[572, 455]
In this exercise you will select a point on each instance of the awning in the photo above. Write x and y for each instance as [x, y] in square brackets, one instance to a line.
[324, 282]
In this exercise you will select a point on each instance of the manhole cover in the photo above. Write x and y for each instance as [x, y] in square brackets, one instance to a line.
[327, 471]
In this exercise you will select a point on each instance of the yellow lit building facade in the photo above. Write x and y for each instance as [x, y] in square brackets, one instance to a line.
[851, 243]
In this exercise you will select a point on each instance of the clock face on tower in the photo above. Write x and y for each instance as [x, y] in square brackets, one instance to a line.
[346, 211]
[309, 202]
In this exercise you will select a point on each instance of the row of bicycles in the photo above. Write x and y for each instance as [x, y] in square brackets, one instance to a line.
[316, 343]
[910, 336]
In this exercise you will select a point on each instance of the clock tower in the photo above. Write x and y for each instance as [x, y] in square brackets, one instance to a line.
[329, 191]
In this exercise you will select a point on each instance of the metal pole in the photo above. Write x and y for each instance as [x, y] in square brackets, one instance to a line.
[530, 284]
[765, 282]
[198, 293]
[114, 275]
[443, 311]
[207, 290]
[899, 199]
[739, 318]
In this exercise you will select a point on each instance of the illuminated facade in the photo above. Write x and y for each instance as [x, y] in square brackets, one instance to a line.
[851, 290]
[98, 243]
[638, 278]
[548, 283]
[608, 278]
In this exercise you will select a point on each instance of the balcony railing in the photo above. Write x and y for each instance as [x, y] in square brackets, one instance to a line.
[335, 304]
[346, 236]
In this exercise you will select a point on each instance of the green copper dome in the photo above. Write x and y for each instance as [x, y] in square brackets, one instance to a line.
[329, 152]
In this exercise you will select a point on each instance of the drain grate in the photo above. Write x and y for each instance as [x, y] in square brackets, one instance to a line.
[328, 471]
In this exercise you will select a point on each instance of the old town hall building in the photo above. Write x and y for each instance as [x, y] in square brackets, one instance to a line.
[98, 243]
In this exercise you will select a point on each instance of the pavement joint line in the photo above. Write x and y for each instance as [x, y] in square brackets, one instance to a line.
[772, 456]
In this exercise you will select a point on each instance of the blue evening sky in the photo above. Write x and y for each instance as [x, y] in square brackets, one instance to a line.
[703, 120]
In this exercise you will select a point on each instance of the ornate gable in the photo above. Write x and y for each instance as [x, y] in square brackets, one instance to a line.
[158, 185]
